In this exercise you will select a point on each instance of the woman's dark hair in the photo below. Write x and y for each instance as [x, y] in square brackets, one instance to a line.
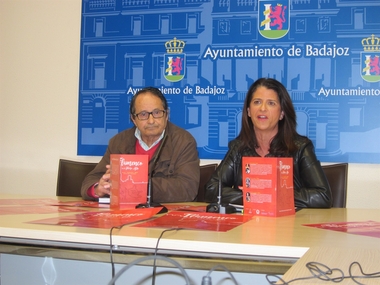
[283, 142]
[155, 91]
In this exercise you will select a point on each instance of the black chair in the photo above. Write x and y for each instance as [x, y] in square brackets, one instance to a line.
[206, 171]
[337, 175]
[70, 176]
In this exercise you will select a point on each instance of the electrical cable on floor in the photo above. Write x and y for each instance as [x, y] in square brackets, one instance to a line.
[137, 261]
[206, 280]
[323, 272]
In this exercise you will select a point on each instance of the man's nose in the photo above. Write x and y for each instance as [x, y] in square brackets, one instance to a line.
[150, 117]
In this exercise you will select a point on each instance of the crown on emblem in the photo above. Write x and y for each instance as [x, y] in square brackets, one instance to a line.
[371, 43]
[175, 46]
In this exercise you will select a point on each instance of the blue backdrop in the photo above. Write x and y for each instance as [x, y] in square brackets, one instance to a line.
[204, 55]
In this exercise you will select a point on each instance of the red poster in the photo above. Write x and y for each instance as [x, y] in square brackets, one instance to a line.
[129, 180]
[34, 201]
[198, 221]
[105, 220]
[268, 186]
[29, 209]
[86, 204]
[367, 228]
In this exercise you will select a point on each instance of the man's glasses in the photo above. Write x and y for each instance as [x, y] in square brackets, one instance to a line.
[145, 115]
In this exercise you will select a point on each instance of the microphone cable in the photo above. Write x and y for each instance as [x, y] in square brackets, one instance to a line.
[111, 248]
[156, 250]
[111, 243]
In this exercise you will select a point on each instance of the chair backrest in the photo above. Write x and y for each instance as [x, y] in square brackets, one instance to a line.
[206, 171]
[337, 175]
[70, 176]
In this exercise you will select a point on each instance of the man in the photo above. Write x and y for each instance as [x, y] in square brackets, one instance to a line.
[175, 177]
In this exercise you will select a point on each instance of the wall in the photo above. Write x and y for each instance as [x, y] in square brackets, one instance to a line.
[39, 72]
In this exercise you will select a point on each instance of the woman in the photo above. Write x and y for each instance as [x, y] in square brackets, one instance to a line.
[269, 130]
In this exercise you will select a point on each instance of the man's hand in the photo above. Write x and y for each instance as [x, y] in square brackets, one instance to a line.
[104, 186]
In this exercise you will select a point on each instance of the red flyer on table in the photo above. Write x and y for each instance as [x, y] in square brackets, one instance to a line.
[50, 202]
[367, 228]
[33, 201]
[38, 209]
[198, 221]
[86, 204]
[104, 220]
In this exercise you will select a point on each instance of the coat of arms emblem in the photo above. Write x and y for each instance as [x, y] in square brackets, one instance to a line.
[273, 18]
[174, 60]
[370, 59]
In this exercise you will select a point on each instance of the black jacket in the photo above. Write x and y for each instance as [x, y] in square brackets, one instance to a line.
[311, 188]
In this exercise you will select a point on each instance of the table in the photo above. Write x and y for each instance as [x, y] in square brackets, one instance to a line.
[262, 245]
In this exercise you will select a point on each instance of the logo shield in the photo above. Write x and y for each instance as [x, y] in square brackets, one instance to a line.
[174, 67]
[370, 59]
[274, 18]
[174, 60]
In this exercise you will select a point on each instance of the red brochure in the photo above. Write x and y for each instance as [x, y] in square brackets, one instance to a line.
[268, 186]
[367, 228]
[129, 180]
[198, 221]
